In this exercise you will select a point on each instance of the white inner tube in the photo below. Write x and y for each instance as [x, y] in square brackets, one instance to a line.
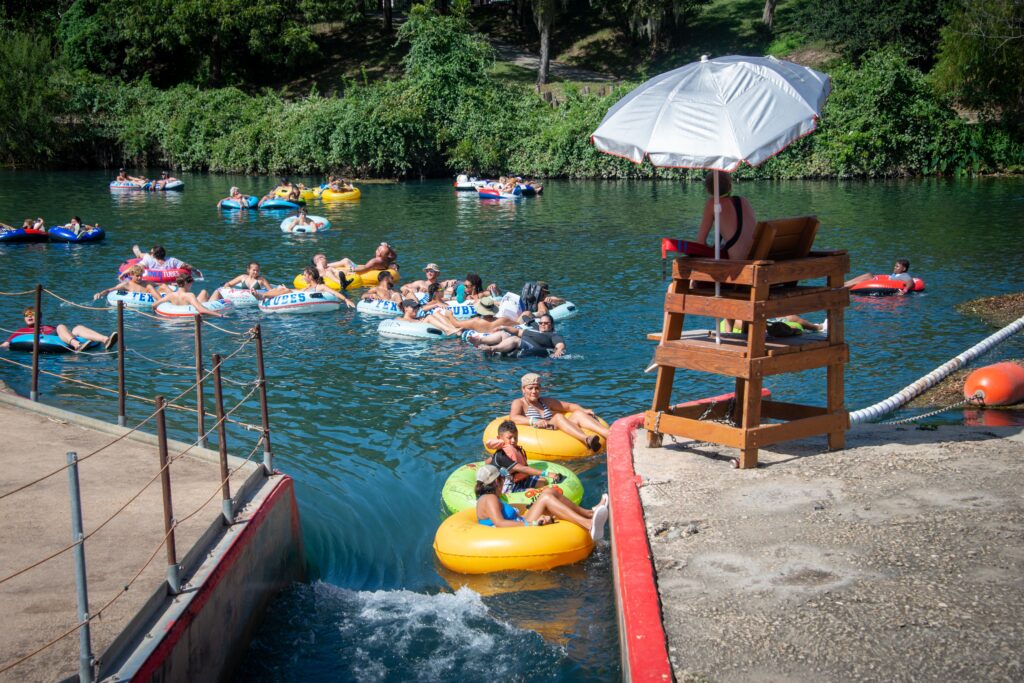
[406, 329]
[301, 302]
[131, 299]
[911, 391]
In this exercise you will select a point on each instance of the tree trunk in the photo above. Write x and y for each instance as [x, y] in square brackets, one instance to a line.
[768, 16]
[545, 52]
[388, 23]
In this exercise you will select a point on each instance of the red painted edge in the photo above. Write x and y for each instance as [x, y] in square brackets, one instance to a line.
[156, 659]
[645, 642]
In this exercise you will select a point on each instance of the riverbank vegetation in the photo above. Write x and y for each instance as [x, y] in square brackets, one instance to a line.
[176, 84]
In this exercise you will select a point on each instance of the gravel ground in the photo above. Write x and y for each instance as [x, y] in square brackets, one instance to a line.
[900, 558]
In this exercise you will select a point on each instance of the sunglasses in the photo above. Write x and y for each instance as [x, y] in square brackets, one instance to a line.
[545, 322]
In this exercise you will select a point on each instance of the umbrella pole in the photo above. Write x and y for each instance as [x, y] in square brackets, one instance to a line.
[718, 254]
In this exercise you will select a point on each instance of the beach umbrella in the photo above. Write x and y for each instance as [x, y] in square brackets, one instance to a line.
[715, 114]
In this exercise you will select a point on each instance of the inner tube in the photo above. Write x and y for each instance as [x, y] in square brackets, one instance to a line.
[1001, 384]
[247, 202]
[300, 302]
[398, 328]
[495, 193]
[884, 285]
[278, 203]
[60, 233]
[459, 491]
[305, 194]
[464, 545]
[48, 343]
[464, 183]
[320, 224]
[546, 444]
[157, 276]
[353, 280]
[390, 309]
[23, 236]
[563, 311]
[240, 297]
[171, 185]
[530, 190]
[169, 310]
[125, 185]
[346, 196]
[131, 299]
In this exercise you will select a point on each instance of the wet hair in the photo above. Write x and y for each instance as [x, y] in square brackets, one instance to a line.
[432, 290]
[251, 264]
[724, 183]
[312, 276]
[508, 427]
[183, 279]
[315, 257]
[475, 280]
[482, 489]
[905, 263]
[383, 274]
[158, 252]
[76, 219]
[410, 303]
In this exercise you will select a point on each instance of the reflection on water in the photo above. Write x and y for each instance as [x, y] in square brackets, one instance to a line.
[370, 428]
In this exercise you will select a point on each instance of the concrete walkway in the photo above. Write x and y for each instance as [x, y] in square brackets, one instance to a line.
[39, 605]
[900, 558]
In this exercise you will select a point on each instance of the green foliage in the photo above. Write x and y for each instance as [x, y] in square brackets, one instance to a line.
[25, 117]
[980, 58]
[201, 41]
[861, 26]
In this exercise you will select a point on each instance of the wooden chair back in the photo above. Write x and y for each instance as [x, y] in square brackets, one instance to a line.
[782, 239]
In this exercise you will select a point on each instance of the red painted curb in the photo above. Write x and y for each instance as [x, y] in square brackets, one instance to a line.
[643, 639]
[180, 626]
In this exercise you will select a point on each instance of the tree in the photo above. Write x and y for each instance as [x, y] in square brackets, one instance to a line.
[544, 14]
[980, 57]
[657, 21]
[768, 15]
[25, 117]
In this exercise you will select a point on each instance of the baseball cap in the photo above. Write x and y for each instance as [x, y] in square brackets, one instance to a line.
[486, 474]
[432, 266]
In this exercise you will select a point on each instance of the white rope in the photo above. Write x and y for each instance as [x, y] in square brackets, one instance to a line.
[914, 390]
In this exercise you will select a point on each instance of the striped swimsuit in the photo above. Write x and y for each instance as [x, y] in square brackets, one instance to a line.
[543, 414]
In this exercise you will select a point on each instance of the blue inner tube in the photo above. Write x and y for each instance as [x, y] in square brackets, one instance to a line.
[48, 343]
[59, 233]
[249, 202]
[22, 235]
[278, 203]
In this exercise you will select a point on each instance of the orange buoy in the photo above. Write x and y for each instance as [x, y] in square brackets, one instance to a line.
[1001, 384]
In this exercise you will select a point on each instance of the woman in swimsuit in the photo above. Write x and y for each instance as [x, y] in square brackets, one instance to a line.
[550, 413]
[248, 280]
[736, 222]
[546, 508]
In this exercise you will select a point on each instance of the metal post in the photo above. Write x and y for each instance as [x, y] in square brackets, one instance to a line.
[173, 578]
[200, 408]
[33, 393]
[85, 659]
[222, 440]
[268, 456]
[122, 396]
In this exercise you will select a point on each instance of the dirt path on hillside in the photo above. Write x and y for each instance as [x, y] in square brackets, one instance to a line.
[557, 70]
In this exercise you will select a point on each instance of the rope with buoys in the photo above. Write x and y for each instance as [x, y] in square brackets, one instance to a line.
[911, 391]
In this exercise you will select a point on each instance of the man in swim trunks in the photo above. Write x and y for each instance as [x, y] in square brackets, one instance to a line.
[67, 336]
[486, 308]
[383, 258]
[385, 289]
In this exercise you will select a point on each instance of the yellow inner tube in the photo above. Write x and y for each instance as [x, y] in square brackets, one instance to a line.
[356, 280]
[347, 196]
[546, 444]
[465, 546]
[304, 194]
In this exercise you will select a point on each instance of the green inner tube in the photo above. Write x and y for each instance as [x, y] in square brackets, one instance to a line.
[459, 491]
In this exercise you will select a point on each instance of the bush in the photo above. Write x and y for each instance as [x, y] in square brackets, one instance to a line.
[26, 118]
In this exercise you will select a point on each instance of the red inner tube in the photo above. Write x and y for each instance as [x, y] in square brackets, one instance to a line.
[884, 285]
[168, 275]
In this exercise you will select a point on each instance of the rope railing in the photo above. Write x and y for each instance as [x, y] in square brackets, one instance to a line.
[134, 497]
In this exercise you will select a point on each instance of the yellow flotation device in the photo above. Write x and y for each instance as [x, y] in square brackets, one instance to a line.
[328, 194]
[546, 444]
[356, 280]
[465, 546]
[305, 194]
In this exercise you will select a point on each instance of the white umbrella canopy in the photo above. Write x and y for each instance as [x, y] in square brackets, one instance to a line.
[715, 113]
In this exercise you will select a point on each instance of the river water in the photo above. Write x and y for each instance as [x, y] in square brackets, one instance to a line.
[370, 428]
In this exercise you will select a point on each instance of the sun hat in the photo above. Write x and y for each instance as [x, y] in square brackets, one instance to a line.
[432, 266]
[487, 474]
[485, 306]
[529, 379]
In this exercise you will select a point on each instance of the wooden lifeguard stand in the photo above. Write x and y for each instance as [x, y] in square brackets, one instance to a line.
[767, 286]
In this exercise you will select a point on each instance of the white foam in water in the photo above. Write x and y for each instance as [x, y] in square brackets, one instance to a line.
[406, 636]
